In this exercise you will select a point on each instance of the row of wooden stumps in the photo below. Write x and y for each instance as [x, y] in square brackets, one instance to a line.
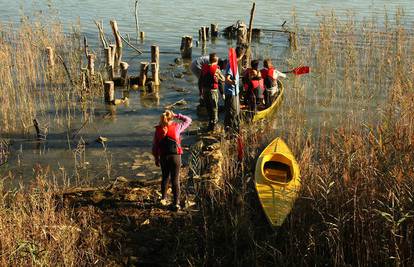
[117, 70]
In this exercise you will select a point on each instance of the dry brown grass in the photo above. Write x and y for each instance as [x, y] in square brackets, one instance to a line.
[35, 229]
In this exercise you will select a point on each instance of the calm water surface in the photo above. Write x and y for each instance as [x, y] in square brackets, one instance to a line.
[130, 132]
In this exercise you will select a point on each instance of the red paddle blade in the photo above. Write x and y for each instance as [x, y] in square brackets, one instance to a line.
[301, 70]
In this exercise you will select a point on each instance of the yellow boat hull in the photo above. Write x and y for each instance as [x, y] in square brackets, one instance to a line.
[277, 181]
[271, 111]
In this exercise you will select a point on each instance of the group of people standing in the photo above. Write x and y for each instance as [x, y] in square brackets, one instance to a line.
[214, 76]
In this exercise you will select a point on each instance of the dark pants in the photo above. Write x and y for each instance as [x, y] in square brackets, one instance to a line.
[232, 109]
[211, 98]
[170, 167]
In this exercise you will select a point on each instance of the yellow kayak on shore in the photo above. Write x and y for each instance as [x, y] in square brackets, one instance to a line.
[277, 181]
[271, 111]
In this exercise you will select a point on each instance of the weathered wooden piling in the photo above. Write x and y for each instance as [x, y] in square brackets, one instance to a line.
[155, 73]
[202, 34]
[155, 64]
[207, 32]
[186, 47]
[50, 57]
[214, 30]
[242, 34]
[109, 92]
[142, 36]
[293, 41]
[124, 73]
[118, 42]
[256, 33]
[143, 73]
[108, 56]
[113, 53]
[91, 64]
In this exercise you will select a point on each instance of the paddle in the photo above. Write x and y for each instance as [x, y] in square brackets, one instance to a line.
[299, 70]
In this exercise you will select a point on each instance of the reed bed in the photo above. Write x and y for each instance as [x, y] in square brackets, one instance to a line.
[34, 86]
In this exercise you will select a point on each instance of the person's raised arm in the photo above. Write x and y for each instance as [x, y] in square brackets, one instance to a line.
[185, 122]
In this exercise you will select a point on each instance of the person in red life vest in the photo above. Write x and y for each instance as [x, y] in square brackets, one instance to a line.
[253, 86]
[167, 152]
[270, 76]
[209, 85]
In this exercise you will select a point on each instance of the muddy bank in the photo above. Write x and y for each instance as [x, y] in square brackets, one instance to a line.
[138, 230]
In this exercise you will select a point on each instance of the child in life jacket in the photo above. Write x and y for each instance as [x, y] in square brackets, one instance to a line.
[270, 76]
[253, 86]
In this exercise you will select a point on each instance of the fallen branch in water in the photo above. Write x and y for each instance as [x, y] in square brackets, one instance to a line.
[130, 45]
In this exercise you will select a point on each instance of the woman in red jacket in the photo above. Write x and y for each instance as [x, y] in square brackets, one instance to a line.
[167, 152]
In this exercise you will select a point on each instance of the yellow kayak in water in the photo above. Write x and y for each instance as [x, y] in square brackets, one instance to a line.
[271, 111]
[277, 181]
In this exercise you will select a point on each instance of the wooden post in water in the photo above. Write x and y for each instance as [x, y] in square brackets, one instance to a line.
[186, 47]
[155, 73]
[91, 64]
[256, 34]
[50, 57]
[214, 30]
[251, 22]
[118, 42]
[242, 34]
[155, 64]
[143, 73]
[109, 91]
[113, 52]
[207, 32]
[124, 73]
[202, 34]
[108, 56]
[293, 41]
[142, 36]
[110, 69]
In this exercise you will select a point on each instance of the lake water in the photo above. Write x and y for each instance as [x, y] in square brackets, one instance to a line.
[130, 132]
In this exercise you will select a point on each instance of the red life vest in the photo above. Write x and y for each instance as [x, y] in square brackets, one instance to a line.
[208, 73]
[172, 134]
[267, 73]
[254, 83]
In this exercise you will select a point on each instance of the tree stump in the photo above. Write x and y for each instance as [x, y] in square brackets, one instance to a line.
[109, 91]
[155, 74]
[143, 73]
[214, 30]
[186, 47]
[242, 34]
[124, 73]
[118, 43]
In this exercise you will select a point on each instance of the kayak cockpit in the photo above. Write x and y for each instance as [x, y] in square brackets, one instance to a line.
[278, 169]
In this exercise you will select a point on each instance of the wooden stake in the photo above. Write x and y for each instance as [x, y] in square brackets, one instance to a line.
[50, 57]
[214, 30]
[155, 74]
[186, 47]
[124, 73]
[111, 73]
[143, 73]
[251, 22]
[155, 54]
[202, 34]
[142, 36]
[113, 52]
[207, 32]
[109, 91]
[91, 64]
[108, 56]
[118, 42]
[293, 41]
[242, 34]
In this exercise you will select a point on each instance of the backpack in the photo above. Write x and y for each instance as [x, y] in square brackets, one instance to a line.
[169, 146]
